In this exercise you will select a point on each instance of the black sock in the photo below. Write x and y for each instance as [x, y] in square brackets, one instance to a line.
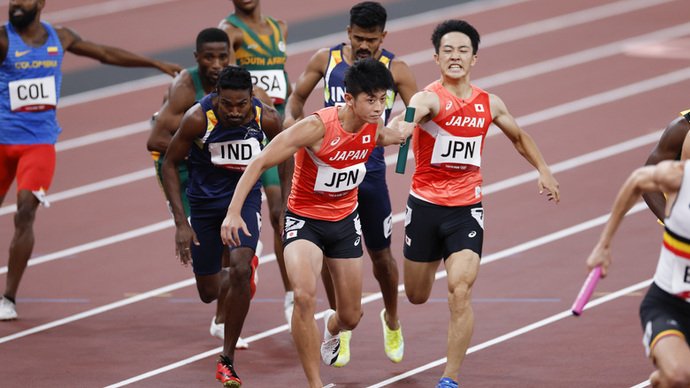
[10, 299]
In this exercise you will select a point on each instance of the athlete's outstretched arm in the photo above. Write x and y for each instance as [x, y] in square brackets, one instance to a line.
[72, 42]
[307, 81]
[663, 177]
[307, 133]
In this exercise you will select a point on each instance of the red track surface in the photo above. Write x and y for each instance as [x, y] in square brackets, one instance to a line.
[515, 288]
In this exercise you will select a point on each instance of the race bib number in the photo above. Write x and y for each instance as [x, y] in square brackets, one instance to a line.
[332, 182]
[235, 154]
[457, 153]
[33, 95]
[680, 282]
[273, 82]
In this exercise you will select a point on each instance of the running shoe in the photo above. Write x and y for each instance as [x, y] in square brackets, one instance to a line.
[393, 342]
[226, 373]
[289, 307]
[330, 347]
[445, 382]
[218, 330]
[8, 310]
[344, 353]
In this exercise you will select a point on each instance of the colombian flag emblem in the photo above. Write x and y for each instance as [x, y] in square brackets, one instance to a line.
[52, 50]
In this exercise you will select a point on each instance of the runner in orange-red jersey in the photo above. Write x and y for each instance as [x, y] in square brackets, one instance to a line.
[321, 220]
[445, 217]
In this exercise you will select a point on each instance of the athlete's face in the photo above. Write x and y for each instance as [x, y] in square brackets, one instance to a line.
[365, 42]
[234, 107]
[246, 6]
[212, 59]
[368, 107]
[455, 57]
[23, 12]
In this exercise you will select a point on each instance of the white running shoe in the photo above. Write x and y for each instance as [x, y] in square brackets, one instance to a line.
[8, 311]
[289, 307]
[218, 330]
[330, 347]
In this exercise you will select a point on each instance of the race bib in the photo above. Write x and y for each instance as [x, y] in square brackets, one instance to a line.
[273, 82]
[235, 154]
[332, 182]
[457, 153]
[33, 95]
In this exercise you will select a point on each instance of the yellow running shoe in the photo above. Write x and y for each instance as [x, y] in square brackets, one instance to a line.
[393, 342]
[344, 353]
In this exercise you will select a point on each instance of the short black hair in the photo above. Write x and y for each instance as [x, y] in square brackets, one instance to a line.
[367, 75]
[236, 78]
[211, 35]
[455, 26]
[368, 15]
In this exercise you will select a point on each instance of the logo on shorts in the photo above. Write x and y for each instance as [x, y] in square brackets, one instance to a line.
[291, 234]
[358, 240]
[292, 223]
[408, 241]
[472, 234]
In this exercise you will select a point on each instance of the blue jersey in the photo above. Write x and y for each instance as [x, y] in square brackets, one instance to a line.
[218, 158]
[334, 94]
[30, 79]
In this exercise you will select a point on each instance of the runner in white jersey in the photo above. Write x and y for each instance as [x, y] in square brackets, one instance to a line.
[665, 310]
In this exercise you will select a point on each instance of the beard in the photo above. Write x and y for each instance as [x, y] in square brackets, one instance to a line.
[28, 16]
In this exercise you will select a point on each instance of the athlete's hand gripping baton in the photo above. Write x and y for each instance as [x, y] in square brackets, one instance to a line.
[404, 147]
[586, 291]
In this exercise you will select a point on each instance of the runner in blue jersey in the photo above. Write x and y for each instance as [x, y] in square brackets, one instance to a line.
[219, 137]
[31, 54]
[366, 33]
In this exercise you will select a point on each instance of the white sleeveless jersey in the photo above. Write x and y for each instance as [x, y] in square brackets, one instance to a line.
[673, 270]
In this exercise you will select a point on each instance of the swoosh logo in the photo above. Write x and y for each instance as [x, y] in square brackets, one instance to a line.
[18, 53]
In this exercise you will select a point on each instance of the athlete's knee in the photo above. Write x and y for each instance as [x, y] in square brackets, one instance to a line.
[275, 218]
[459, 296]
[350, 319]
[304, 300]
[677, 376]
[207, 293]
[26, 211]
[417, 295]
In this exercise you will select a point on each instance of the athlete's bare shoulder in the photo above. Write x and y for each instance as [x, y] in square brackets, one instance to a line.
[235, 34]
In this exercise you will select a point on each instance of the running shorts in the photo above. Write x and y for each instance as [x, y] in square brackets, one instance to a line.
[337, 239]
[374, 208]
[32, 164]
[433, 232]
[663, 314]
[206, 221]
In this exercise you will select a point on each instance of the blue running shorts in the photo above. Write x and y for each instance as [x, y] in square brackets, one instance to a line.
[374, 208]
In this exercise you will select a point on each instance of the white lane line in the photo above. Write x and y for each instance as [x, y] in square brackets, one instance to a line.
[106, 8]
[441, 274]
[643, 384]
[518, 332]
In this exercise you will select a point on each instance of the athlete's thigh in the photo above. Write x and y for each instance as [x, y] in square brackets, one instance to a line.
[419, 279]
[462, 269]
[347, 282]
[423, 241]
[303, 262]
[374, 208]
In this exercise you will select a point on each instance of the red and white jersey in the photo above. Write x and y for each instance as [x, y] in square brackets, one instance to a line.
[448, 149]
[324, 184]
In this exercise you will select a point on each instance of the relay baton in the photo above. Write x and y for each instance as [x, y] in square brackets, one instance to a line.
[404, 147]
[586, 291]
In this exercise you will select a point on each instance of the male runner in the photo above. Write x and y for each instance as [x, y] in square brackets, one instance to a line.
[366, 33]
[219, 136]
[31, 54]
[665, 309]
[258, 43]
[445, 217]
[322, 219]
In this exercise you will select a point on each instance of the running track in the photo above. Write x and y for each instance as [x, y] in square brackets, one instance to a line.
[105, 303]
